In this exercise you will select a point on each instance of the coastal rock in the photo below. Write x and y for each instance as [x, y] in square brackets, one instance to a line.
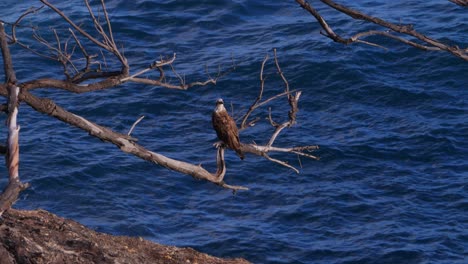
[41, 237]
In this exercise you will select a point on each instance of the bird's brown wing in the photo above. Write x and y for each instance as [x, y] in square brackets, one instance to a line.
[227, 131]
[219, 126]
[233, 134]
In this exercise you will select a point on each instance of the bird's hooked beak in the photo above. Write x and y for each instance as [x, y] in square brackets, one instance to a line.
[219, 102]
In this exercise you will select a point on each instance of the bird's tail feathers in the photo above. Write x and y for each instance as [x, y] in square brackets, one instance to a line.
[240, 154]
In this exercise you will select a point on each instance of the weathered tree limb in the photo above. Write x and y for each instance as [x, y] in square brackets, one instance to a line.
[255, 104]
[429, 43]
[10, 76]
[293, 103]
[258, 101]
[293, 99]
[106, 42]
[31, 10]
[14, 187]
[127, 143]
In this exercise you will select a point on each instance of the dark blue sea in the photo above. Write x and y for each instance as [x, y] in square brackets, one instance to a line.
[391, 124]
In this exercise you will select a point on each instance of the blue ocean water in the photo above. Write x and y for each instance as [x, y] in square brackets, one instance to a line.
[392, 126]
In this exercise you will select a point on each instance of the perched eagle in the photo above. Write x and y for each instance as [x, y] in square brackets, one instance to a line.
[226, 128]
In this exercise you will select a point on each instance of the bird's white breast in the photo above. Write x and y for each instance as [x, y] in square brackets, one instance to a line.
[220, 108]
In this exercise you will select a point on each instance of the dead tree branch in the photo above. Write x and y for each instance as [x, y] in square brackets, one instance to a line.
[134, 125]
[31, 10]
[293, 99]
[79, 69]
[15, 186]
[408, 30]
[126, 143]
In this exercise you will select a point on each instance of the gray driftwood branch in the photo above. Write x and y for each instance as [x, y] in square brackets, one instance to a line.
[14, 186]
[293, 101]
[83, 67]
[395, 31]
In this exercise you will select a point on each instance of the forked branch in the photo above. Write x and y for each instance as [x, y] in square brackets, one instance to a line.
[84, 66]
[426, 43]
[293, 100]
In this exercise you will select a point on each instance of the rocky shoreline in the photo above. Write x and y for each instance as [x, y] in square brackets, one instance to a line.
[41, 237]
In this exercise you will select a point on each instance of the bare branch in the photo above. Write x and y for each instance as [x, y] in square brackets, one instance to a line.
[31, 10]
[13, 133]
[14, 187]
[171, 86]
[125, 142]
[283, 163]
[431, 44]
[293, 99]
[258, 103]
[108, 43]
[356, 38]
[10, 76]
[280, 72]
[85, 75]
[76, 27]
[109, 26]
[72, 87]
[258, 99]
[156, 64]
[134, 124]
[103, 79]
[264, 150]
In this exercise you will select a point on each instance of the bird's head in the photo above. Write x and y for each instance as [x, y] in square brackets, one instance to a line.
[219, 106]
[219, 102]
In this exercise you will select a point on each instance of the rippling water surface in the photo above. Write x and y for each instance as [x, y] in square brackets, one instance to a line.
[392, 126]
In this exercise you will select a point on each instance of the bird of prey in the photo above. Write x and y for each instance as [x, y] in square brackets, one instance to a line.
[226, 128]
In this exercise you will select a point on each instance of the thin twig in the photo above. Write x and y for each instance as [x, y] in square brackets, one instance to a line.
[134, 124]
[31, 10]
[280, 72]
[109, 27]
[259, 97]
[156, 64]
[282, 163]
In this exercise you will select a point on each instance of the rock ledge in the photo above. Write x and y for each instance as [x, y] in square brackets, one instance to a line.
[41, 237]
